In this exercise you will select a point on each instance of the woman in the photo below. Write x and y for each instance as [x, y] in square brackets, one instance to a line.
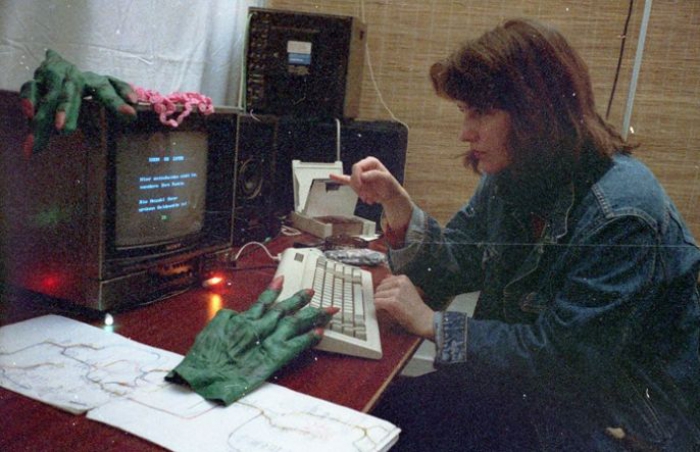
[586, 332]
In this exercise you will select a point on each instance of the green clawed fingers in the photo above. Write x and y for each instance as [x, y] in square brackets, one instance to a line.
[236, 352]
[52, 100]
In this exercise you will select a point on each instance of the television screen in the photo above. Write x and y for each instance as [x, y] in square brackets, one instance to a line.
[161, 182]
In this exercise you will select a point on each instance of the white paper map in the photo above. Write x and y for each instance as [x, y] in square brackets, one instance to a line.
[75, 366]
[119, 382]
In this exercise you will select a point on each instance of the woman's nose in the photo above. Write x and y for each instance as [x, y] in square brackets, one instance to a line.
[468, 134]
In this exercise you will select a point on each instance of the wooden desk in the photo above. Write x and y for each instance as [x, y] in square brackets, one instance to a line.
[172, 324]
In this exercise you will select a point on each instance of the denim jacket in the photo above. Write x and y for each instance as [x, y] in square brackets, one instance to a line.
[604, 302]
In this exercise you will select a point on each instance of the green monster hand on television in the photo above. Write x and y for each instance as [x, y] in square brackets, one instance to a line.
[236, 352]
[52, 99]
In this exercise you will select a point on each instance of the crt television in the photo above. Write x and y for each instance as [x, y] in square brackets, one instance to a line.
[116, 214]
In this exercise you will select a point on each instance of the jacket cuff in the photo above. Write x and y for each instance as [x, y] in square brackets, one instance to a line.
[396, 238]
[450, 337]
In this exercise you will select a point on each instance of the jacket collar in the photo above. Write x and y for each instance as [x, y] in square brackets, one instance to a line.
[559, 218]
[553, 204]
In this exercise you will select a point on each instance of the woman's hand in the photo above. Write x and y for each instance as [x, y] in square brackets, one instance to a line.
[400, 298]
[373, 183]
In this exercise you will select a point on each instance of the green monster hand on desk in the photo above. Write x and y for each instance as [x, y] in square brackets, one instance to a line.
[52, 99]
[236, 352]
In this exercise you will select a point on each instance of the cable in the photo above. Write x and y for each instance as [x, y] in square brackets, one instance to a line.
[262, 245]
[337, 140]
[619, 59]
[289, 231]
[371, 73]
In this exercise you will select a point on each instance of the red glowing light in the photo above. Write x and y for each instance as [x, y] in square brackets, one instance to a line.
[213, 281]
[50, 282]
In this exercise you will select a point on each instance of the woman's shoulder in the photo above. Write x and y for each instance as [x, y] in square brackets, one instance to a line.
[626, 164]
[629, 186]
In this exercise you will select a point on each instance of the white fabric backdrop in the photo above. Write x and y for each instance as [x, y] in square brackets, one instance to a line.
[164, 45]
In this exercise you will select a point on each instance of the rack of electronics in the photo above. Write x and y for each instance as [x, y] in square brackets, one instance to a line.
[120, 214]
[304, 72]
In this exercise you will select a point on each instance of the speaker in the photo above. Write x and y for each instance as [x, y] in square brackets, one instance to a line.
[254, 207]
[312, 140]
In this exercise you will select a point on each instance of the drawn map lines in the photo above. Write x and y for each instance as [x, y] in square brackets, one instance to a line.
[78, 376]
[120, 382]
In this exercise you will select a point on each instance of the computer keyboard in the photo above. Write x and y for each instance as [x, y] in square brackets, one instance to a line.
[353, 330]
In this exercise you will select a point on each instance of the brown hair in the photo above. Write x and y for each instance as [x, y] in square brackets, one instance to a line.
[530, 71]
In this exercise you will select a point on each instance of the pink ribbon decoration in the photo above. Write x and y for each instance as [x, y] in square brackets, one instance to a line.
[166, 106]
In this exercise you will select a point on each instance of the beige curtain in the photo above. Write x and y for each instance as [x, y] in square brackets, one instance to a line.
[165, 45]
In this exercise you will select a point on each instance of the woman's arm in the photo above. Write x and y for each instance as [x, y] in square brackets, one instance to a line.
[604, 287]
[373, 183]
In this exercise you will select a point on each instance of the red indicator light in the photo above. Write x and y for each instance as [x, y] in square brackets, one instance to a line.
[213, 281]
[50, 282]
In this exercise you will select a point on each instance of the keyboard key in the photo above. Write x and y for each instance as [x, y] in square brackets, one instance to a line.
[353, 330]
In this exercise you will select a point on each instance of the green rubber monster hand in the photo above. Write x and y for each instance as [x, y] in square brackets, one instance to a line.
[235, 353]
[52, 99]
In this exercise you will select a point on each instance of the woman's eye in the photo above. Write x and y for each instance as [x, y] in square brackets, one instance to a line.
[473, 112]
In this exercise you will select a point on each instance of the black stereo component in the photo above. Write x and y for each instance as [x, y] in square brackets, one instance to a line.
[304, 64]
[254, 213]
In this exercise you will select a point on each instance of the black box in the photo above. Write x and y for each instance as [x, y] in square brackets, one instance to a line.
[303, 64]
